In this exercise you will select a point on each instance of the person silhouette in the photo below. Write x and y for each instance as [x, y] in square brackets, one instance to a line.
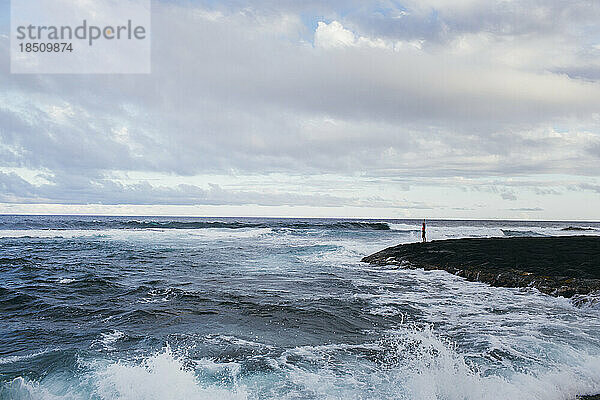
[423, 236]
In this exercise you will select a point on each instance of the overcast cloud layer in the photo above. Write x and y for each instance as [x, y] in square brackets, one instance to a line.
[470, 108]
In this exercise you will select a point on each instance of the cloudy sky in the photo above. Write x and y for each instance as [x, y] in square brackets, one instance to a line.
[414, 108]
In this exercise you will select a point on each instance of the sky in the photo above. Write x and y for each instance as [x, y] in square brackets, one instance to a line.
[470, 109]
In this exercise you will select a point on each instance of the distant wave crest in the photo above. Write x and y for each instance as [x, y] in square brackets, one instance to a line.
[345, 225]
[510, 233]
[174, 224]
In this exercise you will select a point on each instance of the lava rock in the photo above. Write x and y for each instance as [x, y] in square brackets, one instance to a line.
[567, 266]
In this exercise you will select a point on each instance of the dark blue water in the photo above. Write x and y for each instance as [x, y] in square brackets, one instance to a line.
[190, 308]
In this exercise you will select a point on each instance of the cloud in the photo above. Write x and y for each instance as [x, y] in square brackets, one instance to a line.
[229, 103]
[333, 35]
[588, 186]
[431, 90]
[75, 189]
[508, 195]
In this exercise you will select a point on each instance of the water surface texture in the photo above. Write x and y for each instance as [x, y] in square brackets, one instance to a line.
[218, 308]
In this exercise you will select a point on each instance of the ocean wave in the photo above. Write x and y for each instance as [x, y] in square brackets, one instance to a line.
[14, 359]
[577, 228]
[587, 301]
[432, 368]
[514, 233]
[53, 233]
[54, 227]
[13, 300]
[162, 376]
[109, 338]
[282, 313]
[410, 363]
[341, 225]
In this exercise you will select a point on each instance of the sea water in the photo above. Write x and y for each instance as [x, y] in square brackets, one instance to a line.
[231, 308]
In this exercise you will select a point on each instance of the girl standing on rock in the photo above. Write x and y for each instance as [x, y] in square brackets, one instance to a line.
[423, 232]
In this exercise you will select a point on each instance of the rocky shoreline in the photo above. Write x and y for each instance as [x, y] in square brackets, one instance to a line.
[565, 266]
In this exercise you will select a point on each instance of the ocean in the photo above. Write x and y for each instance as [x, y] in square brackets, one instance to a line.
[256, 308]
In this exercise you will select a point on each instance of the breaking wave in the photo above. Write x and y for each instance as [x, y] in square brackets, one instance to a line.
[511, 233]
[409, 364]
[107, 223]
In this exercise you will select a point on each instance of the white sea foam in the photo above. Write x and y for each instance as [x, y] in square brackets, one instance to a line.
[158, 296]
[224, 233]
[12, 359]
[162, 377]
[54, 233]
[422, 366]
[23, 389]
[435, 232]
[398, 233]
[433, 369]
[108, 339]
[137, 234]
[416, 364]
[218, 339]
